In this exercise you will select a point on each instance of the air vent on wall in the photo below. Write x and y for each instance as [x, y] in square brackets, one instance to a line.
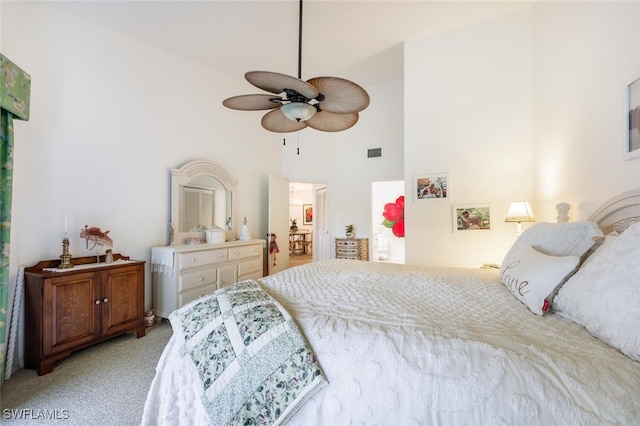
[374, 152]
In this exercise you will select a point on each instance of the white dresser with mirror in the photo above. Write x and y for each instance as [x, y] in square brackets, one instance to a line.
[203, 196]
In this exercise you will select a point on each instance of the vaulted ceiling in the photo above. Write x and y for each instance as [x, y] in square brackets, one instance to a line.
[356, 39]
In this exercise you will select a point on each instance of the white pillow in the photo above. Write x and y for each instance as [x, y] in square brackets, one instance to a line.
[533, 277]
[600, 242]
[557, 239]
[604, 295]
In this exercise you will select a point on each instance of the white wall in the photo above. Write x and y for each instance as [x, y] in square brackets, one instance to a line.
[586, 53]
[528, 106]
[110, 117]
[468, 113]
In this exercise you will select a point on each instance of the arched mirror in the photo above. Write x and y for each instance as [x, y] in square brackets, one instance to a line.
[202, 196]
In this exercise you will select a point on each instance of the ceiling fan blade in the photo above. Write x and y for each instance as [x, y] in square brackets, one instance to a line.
[276, 83]
[252, 102]
[329, 122]
[275, 121]
[340, 96]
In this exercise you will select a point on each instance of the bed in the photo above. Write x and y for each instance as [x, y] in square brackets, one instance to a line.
[552, 337]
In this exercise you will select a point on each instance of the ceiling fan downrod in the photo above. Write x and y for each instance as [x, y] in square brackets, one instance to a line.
[300, 41]
[320, 96]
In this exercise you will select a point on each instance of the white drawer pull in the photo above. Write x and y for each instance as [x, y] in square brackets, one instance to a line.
[192, 260]
[236, 253]
[200, 279]
[220, 256]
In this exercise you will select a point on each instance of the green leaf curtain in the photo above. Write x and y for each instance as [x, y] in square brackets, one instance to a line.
[15, 90]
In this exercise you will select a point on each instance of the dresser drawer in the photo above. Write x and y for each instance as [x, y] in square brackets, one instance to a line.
[347, 251]
[190, 295]
[249, 267]
[193, 279]
[347, 243]
[246, 251]
[201, 258]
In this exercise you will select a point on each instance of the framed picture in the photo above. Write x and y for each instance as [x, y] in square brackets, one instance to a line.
[428, 187]
[471, 217]
[632, 143]
[307, 214]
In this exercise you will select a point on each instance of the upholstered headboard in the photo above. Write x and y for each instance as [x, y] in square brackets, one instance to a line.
[619, 212]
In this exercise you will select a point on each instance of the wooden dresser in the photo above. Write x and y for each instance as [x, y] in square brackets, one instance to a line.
[183, 273]
[352, 248]
[69, 309]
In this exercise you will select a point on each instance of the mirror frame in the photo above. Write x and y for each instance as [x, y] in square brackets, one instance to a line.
[181, 176]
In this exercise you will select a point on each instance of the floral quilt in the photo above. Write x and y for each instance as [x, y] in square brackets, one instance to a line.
[253, 364]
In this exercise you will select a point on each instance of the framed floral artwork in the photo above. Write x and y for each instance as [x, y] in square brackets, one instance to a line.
[307, 214]
[433, 186]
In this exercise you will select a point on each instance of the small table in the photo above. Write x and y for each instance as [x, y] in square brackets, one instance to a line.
[298, 242]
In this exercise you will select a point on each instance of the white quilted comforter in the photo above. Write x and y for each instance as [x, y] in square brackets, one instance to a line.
[415, 346]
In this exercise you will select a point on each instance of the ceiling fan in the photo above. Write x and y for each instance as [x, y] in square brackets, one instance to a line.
[329, 104]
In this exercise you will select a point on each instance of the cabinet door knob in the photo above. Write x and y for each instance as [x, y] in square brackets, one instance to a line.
[200, 279]
[220, 256]
[97, 302]
[192, 260]
[105, 300]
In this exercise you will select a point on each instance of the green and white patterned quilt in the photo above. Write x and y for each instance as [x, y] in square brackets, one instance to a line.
[254, 365]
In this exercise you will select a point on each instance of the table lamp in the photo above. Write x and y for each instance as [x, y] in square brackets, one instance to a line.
[519, 211]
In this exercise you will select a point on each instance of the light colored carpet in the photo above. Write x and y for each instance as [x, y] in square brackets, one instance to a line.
[105, 384]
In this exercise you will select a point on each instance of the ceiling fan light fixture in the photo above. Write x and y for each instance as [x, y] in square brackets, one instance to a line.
[298, 111]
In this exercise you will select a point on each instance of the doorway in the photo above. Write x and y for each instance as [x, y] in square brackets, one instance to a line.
[308, 237]
[301, 215]
[298, 228]
[386, 247]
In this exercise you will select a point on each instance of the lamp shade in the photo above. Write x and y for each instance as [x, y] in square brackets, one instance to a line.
[520, 211]
[298, 111]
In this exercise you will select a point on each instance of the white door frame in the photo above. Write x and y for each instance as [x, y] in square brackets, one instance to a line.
[321, 243]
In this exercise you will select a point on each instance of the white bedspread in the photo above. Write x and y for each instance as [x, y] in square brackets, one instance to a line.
[451, 347]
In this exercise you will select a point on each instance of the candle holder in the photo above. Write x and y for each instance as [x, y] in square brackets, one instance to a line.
[65, 257]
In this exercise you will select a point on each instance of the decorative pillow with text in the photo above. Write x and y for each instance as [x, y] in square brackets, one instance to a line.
[534, 277]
